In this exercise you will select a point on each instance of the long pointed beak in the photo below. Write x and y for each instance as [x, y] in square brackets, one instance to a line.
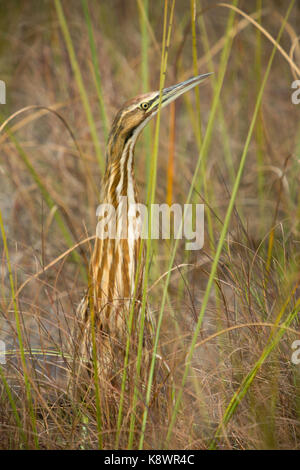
[173, 92]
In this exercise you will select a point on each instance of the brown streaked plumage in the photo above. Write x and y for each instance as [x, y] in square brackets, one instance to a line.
[114, 262]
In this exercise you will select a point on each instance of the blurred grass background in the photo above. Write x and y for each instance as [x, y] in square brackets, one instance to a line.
[82, 62]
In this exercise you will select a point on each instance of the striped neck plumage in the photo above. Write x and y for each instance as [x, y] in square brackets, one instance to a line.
[119, 177]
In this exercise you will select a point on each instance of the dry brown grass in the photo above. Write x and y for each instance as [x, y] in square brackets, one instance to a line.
[259, 266]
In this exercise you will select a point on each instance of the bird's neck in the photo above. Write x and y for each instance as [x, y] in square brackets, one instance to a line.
[119, 179]
[114, 261]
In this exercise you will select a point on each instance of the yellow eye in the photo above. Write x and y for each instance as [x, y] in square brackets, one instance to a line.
[145, 106]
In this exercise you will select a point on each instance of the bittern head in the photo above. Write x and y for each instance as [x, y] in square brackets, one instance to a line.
[135, 114]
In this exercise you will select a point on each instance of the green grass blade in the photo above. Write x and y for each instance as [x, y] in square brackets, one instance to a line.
[96, 370]
[143, 11]
[20, 339]
[195, 67]
[225, 228]
[80, 84]
[151, 198]
[14, 408]
[259, 125]
[172, 258]
[242, 390]
[48, 199]
[96, 67]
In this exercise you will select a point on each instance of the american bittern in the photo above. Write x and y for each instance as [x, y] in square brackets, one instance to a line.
[114, 262]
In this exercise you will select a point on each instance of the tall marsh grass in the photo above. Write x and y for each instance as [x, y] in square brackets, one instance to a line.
[227, 315]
